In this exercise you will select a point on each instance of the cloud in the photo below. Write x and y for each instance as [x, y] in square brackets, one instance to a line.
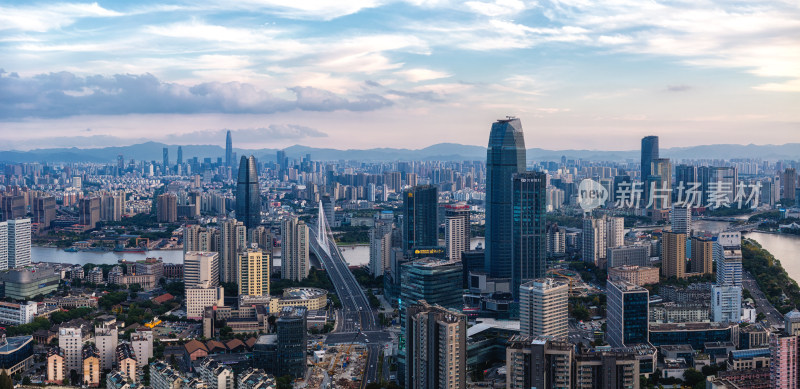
[276, 132]
[41, 18]
[66, 94]
[678, 88]
[417, 75]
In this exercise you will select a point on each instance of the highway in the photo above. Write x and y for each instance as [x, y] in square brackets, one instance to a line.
[772, 316]
[357, 322]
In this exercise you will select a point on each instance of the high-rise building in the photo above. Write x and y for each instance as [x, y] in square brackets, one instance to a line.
[294, 249]
[681, 220]
[283, 161]
[4, 246]
[420, 217]
[718, 182]
[233, 239]
[437, 347]
[728, 257]
[106, 338]
[167, 208]
[533, 362]
[649, 153]
[200, 267]
[112, 206]
[702, 256]
[788, 183]
[783, 367]
[556, 240]
[55, 366]
[165, 161]
[628, 310]
[142, 343]
[505, 157]
[659, 184]
[228, 150]
[70, 341]
[673, 255]
[292, 332]
[248, 194]
[596, 369]
[89, 212]
[19, 243]
[726, 303]
[126, 361]
[91, 366]
[13, 207]
[44, 211]
[328, 205]
[196, 238]
[543, 309]
[380, 246]
[254, 271]
[198, 297]
[456, 230]
[180, 155]
[686, 175]
[598, 235]
[529, 230]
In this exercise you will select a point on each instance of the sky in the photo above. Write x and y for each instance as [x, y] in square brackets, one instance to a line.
[580, 74]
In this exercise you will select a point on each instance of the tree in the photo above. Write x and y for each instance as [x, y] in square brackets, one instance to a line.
[5, 381]
[692, 377]
[284, 382]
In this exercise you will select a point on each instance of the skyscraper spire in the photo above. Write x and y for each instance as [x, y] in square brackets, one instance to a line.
[228, 150]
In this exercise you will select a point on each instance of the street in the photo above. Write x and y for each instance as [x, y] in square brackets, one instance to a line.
[772, 316]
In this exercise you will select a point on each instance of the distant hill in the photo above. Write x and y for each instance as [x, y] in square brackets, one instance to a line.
[152, 151]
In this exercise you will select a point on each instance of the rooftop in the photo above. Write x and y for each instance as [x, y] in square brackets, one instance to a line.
[15, 343]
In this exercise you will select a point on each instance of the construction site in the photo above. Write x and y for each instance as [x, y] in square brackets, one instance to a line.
[340, 366]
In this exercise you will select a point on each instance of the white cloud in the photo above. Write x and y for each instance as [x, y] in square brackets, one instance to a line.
[419, 74]
[41, 18]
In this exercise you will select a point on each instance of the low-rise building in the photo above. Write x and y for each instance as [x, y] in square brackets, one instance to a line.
[27, 283]
[17, 314]
[671, 312]
[216, 375]
[255, 379]
[754, 358]
[693, 334]
[163, 376]
[95, 276]
[70, 302]
[91, 366]
[16, 354]
[117, 380]
[637, 275]
[55, 366]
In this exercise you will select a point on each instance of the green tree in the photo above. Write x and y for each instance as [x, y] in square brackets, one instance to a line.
[5, 381]
[284, 382]
[692, 377]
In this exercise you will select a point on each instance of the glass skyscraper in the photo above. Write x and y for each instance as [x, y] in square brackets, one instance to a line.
[628, 310]
[228, 150]
[248, 195]
[529, 238]
[420, 223]
[505, 157]
[649, 153]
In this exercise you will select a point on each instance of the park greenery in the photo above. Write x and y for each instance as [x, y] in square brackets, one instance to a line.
[780, 289]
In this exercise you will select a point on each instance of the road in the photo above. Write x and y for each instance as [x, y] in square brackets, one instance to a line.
[773, 317]
[358, 322]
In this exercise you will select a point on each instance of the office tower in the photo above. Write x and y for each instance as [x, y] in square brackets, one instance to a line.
[720, 180]
[380, 246]
[228, 150]
[44, 211]
[456, 230]
[659, 184]
[248, 194]
[788, 183]
[595, 369]
[330, 210]
[681, 220]
[685, 174]
[4, 246]
[165, 161]
[13, 207]
[120, 163]
[89, 212]
[437, 347]
[533, 362]
[142, 343]
[649, 153]
[70, 341]
[200, 267]
[726, 303]
[198, 297]
[628, 309]
[196, 238]
[19, 243]
[167, 208]
[471, 261]
[291, 330]
[233, 238]
[254, 274]
[728, 256]
[783, 371]
[294, 249]
[673, 255]
[529, 233]
[282, 161]
[106, 339]
[543, 308]
[180, 155]
[420, 212]
[702, 255]
[505, 157]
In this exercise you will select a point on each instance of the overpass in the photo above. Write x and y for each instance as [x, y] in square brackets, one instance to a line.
[356, 321]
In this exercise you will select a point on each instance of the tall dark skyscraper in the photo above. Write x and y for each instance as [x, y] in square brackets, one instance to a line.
[529, 238]
[649, 153]
[420, 224]
[504, 158]
[228, 150]
[166, 158]
[180, 155]
[283, 162]
[248, 195]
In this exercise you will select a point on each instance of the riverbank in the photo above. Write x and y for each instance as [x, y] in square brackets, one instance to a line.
[780, 289]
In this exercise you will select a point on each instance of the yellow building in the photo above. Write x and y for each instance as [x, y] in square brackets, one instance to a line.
[673, 255]
[55, 366]
[311, 298]
[253, 273]
[91, 366]
[126, 360]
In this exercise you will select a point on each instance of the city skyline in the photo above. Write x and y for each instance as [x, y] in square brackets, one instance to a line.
[366, 74]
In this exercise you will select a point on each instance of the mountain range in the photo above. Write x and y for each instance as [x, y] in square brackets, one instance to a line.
[442, 151]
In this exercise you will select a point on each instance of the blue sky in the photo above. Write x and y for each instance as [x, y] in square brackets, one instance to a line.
[375, 73]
